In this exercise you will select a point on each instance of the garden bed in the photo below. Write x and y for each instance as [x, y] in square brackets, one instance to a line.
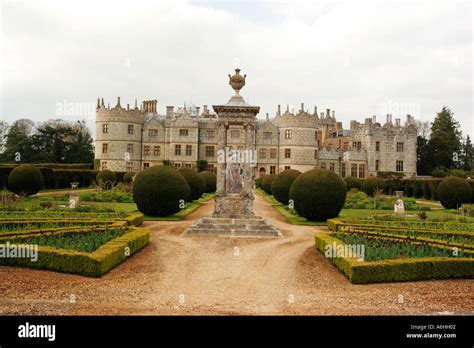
[395, 270]
[76, 254]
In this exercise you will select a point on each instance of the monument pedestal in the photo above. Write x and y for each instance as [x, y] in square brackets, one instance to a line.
[233, 204]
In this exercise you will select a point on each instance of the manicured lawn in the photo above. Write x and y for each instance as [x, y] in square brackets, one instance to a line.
[353, 214]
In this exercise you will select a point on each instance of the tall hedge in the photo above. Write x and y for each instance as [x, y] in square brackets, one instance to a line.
[267, 181]
[318, 194]
[25, 180]
[210, 179]
[281, 185]
[195, 181]
[352, 182]
[160, 191]
[106, 179]
[453, 192]
[373, 184]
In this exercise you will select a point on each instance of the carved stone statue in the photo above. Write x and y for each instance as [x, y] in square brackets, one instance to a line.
[399, 207]
[233, 178]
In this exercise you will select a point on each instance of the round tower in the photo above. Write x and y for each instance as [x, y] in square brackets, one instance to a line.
[118, 140]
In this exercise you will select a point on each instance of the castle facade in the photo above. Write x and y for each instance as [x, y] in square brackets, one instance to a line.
[131, 139]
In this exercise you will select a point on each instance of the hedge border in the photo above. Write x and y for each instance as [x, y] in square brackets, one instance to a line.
[93, 264]
[362, 272]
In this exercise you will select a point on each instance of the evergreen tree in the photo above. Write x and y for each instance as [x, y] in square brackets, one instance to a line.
[467, 159]
[444, 145]
[18, 142]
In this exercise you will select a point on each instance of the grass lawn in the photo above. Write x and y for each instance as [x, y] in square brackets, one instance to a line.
[351, 214]
[53, 191]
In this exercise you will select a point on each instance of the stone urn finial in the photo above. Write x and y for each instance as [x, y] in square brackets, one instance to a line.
[237, 81]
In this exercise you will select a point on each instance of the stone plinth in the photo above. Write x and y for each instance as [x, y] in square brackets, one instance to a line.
[253, 227]
[233, 203]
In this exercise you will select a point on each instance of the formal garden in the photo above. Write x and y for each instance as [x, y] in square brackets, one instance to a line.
[428, 240]
[90, 230]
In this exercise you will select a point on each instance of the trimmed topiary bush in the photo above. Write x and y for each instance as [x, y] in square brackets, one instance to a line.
[318, 194]
[426, 188]
[195, 181]
[471, 182]
[128, 177]
[210, 179]
[258, 182]
[373, 184]
[160, 191]
[352, 182]
[106, 179]
[282, 183]
[417, 189]
[267, 181]
[453, 192]
[25, 180]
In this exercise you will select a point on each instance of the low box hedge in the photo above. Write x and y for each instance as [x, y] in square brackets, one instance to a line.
[93, 264]
[135, 219]
[399, 270]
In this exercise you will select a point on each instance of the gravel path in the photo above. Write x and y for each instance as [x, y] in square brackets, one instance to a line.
[178, 274]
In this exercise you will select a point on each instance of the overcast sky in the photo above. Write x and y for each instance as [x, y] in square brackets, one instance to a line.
[359, 58]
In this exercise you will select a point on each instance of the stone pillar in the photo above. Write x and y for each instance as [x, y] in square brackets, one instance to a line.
[221, 158]
[247, 166]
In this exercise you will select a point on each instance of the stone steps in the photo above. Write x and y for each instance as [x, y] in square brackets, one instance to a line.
[233, 227]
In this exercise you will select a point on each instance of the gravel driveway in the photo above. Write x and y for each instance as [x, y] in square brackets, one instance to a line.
[178, 274]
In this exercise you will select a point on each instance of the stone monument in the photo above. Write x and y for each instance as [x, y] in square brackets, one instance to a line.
[399, 206]
[233, 202]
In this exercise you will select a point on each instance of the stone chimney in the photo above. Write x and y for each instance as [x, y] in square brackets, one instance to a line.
[198, 109]
[169, 111]
[267, 116]
[397, 122]
[118, 101]
[98, 103]
[279, 110]
[128, 107]
[315, 111]
[322, 115]
[333, 114]
[302, 107]
[374, 119]
[328, 113]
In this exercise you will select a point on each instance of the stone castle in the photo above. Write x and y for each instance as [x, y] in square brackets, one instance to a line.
[134, 138]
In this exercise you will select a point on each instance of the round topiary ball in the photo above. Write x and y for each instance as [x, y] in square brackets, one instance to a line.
[195, 181]
[160, 191]
[210, 179]
[25, 180]
[106, 179]
[352, 182]
[318, 194]
[453, 192]
[267, 181]
[128, 177]
[282, 183]
[373, 184]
